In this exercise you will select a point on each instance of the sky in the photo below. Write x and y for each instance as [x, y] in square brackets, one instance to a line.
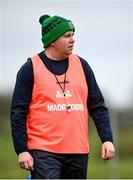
[103, 37]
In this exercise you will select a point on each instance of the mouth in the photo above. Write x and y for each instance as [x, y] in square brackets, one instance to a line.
[70, 47]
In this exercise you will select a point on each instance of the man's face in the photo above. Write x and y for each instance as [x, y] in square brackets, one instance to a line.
[65, 43]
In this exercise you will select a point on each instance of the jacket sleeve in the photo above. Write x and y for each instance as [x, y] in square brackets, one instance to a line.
[96, 105]
[19, 106]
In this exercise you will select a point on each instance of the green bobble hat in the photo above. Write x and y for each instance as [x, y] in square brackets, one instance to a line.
[54, 27]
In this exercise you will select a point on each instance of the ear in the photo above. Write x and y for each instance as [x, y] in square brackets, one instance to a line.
[52, 44]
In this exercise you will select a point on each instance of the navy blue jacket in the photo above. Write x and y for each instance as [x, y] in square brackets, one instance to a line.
[23, 93]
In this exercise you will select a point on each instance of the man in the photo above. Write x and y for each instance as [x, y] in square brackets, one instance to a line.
[53, 94]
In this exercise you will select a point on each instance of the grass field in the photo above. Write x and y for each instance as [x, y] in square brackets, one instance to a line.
[111, 170]
[120, 167]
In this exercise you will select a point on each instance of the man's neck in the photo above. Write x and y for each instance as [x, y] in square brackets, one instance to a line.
[54, 55]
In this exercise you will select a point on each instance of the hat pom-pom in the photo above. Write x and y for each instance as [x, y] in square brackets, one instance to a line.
[42, 18]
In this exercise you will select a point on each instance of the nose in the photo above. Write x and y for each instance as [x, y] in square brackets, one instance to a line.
[72, 40]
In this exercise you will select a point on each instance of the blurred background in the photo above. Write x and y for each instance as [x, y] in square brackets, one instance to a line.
[103, 37]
